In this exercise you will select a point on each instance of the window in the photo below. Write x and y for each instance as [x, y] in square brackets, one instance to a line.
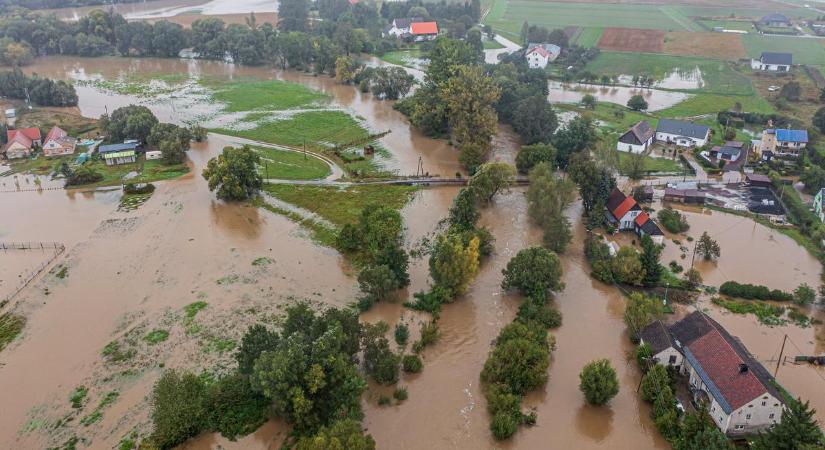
[764, 403]
[672, 360]
[771, 416]
[713, 409]
[739, 427]
[748, 417]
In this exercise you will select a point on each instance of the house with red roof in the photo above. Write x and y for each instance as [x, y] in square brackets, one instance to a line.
[58, 142]
[20, 142]
[539, 55]
[740, 394]
[624, 213]
[424, 31]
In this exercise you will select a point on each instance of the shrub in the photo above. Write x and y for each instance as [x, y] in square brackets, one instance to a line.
[534, 272]
[753, 292]
[503, 426]
[412, 363]
[535, 311]
[132, 188]
[400, 394]
[83, 175]
[519, 360]
[234, 408]
[673, 220]
[598, 382]
[402, 334]
[178, 408]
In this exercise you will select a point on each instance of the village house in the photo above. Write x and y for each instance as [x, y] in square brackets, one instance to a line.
[20, 143]
[682, 133]
[401, 26]
[784, 142]
[424, 31]
[539, 55]
[116, 154]
[738, 392]
[775, 20]
[637, 139]
[58, 142]
[773, 62]
[731, 151]
[624, 213]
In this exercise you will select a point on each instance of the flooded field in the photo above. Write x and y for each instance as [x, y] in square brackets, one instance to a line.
[574, 92]
[158, 9]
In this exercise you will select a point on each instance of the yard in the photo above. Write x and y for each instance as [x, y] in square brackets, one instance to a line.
[412, 57]
[651, 165]
[286, 165]
[805, 50]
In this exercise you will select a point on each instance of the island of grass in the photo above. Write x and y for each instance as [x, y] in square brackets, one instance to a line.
[411, 57]
[290, 165]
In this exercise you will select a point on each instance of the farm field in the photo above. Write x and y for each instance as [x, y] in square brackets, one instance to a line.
[316, 128]
[805, 51]
[632, 40]
[587, 36]
[248, 95]
[718, 76]
[708, 45]
[743, 25]
[713, 103]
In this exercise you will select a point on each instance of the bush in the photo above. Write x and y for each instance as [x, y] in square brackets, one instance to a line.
[412, 363]
[402, 334]
[519, 360]
[234, 408]
[598, 382]
[83, 175]
[534, 272]
[753, 292]
[178, 408]
[535, 311]
[673, 220]
[400, 394]
[503, 426]
[132, 188]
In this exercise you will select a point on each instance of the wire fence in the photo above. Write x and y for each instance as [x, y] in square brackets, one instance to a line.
[55, 248]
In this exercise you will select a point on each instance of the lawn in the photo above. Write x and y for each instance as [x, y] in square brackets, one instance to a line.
[588, 37]
[652, 164]
[317, 128]
[286, 165]
[805, 51]
[701, 104]
[718, 76]
[74, 124]
[248, 95]
[407, 57]
[148, 171]
[605, 112]
[491, 44]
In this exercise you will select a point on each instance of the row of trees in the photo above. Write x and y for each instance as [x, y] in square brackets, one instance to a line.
[388, 83]
[41, 91]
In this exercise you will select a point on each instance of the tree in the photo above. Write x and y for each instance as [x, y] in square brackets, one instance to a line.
[557, 233]
[453, 265]
[598, 382]
[469, 96]
[534, 272]
[172, 140]
[464, 212]
[655, 382]
[234, 173]
[391, 83]
[673, 220]
[634, 166]
[293, 15]
[595, 183]
[694, 277]
[168, 39]
[707, 247]
[256, 340]
[534, 120]
[699, 432]
[791, 91]
[377, 281]
[379, 361]
[588, 101]
[650, 261]
[819, 119]
[345, 69]
[797, 429]
[341, 434]
[234, 409]
[637, 103]
[519, 360]
[627, 267]
[804, 295]
[178, 408]
[575, 137]
[130, 122]
[531, 155]
[641, 310]
[490, 179]
[813, 178]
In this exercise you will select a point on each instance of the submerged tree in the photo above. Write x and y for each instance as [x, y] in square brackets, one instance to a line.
[234, 173]
[598, 382]
[707, 247]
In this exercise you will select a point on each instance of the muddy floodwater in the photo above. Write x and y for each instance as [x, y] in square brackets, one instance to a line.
[159, 9]
[131, 272]
[657, 99]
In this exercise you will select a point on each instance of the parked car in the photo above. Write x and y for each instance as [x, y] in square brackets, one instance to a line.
[773, 88]
[680, 408]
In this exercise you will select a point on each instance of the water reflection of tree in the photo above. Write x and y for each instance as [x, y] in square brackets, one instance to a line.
[236, 219]
[594, 422]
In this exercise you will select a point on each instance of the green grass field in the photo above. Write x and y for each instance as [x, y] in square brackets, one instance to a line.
[588, 37]
[712, 103]
[805, 51]
[728, 25]
[402, 57]
[719, 77]
[248, 95]
[286, 165]
[492, 45]
[317, 128]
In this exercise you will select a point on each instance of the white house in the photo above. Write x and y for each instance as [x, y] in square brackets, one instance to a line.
[153, 154]
[401, 26]
[773, 62]
[740, 394]
[637, 139]
[58, 142]
[624, 213]
[681, 133]
[539, 55]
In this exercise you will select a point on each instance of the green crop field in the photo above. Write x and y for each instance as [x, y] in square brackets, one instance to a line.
[317, 128]
[805, 50]
[719, 77]
[588, 37]
[754, 13]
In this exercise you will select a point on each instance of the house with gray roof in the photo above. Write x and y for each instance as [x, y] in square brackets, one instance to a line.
[637, 139]
[773, 62]
[682, 133]
[775, 20]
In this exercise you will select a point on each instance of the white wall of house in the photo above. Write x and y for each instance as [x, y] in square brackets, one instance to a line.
[631, 148]
[757, 415]
[628, 222]
[53, 148]
[759, 65]
[536, 61]
[17, 150]
[669, 357]
[681, 141]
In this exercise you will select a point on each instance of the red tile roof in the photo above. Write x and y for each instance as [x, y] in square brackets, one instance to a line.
[624, 207]
[20, 138]
[540, 50]
[722, 364]
[424, 28]
[31, 133]
[55, 133]
[642, 218]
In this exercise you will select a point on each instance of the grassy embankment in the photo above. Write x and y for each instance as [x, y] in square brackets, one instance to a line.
[291, 114]
[339, 206]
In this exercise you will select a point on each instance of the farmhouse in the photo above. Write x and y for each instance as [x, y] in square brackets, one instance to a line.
[58, 142]
[539, 55]
[637, 139]
[624, 213]
[401, 26]
[773, 62]
[116, 154]
[681, 133]
[21, 142]
[784, 142]
[740, 395]
[424, 31]
[775, 20]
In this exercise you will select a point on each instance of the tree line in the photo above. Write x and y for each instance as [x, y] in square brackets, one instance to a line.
[40, 91]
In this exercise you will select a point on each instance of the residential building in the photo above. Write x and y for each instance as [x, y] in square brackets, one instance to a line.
[784, 142]
[116, 154]
[773, 62]
[624, 213]
[776, 20]
[401, 26]
[682, 133]
[21, 142]
[58, 142]
[637, 139]
[740, 394]
[820, 196]
[539, 55]
[731, 151]
[32, 133]
[424, 31]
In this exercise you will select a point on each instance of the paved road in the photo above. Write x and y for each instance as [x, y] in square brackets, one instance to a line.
[491, 56]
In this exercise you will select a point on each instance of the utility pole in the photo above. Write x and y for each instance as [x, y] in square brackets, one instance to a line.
[305, 148]
[779, 360]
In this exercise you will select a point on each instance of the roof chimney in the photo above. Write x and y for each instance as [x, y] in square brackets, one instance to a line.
[743, 368]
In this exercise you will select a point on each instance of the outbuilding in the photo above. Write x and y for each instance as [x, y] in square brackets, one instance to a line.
[758, 180]
[637, 139]
[154, 154]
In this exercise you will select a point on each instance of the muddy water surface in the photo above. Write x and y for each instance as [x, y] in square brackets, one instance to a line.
[574, 92]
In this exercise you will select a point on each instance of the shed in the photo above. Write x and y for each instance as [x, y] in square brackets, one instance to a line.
[154, 154]
[758, 180]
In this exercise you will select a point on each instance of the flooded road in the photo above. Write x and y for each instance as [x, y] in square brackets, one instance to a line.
[574, 92]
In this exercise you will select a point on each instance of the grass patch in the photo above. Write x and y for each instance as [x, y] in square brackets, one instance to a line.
[340, 205]
[407, 57]
[116, 353]
[702, 104]
[319, 129]
[320, 233]
[191, 310]
[805, 51]
[767, 314]
[287, 165]
[156, 336]
[62, 273]
[262, 261]
[11, 325]
[491, 44]
[218, 345]
[97, 414]
[250, 94]
[651, 164]
[78, 396]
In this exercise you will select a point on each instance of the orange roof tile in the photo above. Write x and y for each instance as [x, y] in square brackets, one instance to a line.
[642, 218]
[624, 207]
[424, 28]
